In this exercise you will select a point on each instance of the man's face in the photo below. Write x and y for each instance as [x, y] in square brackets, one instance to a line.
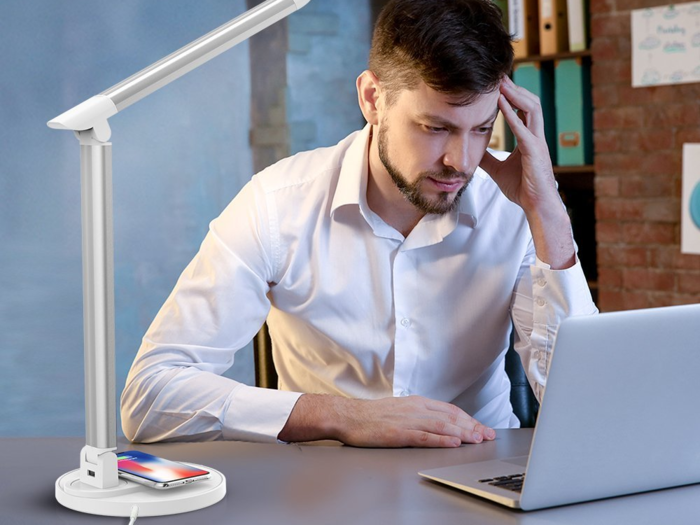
[430, 146]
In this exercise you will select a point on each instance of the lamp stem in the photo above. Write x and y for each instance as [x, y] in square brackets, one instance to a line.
[98, 291]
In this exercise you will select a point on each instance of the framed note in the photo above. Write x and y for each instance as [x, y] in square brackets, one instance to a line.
[690, 208]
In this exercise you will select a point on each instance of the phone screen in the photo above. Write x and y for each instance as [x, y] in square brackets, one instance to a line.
[154, 468]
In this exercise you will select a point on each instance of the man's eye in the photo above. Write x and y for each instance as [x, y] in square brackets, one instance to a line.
[433, 129]
[485, 131]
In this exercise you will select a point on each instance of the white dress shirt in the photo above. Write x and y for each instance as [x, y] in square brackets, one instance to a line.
[354, 308]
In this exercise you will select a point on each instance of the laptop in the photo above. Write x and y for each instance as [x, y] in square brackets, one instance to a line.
[620, 415]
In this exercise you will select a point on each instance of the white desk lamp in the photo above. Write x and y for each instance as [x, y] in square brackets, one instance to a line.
[95, 487]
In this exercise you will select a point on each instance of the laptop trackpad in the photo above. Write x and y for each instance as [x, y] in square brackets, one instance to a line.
[519, 460]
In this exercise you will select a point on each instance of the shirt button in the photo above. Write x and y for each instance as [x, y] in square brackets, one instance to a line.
[540, 301]
[405, 393]
[541, 281]
[405, 322]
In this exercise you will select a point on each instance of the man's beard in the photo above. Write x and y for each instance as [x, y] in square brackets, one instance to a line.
[411, 191]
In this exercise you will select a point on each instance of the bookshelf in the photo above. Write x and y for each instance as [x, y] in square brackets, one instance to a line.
[576, 186]
[557, 56]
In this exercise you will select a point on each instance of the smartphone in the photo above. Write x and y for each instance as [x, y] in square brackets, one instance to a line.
[156, 472]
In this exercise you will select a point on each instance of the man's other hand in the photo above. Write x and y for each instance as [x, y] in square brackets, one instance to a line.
[412, 421]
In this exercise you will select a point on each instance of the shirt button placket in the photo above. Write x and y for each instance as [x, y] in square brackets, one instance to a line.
[404, 357]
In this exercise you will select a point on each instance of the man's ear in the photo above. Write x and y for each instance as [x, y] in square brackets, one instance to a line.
[368, 96]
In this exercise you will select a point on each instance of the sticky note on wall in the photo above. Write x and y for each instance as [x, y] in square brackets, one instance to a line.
[690, 208]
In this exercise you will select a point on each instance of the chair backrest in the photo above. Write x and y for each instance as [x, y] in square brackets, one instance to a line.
[524, 403]
[265, 373]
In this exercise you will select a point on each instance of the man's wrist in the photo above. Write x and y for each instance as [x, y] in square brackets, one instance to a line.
[314, 417]
[553, 237]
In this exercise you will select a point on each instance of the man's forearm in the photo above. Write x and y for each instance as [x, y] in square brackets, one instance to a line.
[551, 233]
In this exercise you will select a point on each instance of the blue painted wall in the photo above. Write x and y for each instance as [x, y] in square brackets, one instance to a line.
[180, 156]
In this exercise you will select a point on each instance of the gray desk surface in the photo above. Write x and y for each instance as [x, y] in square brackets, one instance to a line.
[324, 484]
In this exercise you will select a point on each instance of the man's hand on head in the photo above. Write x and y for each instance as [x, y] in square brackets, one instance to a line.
[412, 421]
[526, 177]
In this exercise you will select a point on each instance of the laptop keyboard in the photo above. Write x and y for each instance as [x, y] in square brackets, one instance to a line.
[513, 482]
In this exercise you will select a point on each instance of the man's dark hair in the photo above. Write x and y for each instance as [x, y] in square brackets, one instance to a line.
[457, 47]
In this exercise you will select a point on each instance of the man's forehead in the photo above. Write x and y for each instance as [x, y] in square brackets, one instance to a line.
[425, 102]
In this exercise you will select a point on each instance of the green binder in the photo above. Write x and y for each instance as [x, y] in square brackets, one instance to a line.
[574, 113]
[503, 6]
[538, 78]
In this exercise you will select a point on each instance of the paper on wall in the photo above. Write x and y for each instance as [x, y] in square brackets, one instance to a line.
[666, 45]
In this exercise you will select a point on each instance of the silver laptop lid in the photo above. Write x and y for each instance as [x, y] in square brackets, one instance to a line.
[621, 413]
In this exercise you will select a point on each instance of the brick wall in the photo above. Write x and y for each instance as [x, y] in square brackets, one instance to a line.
[303, 72]
[269, 133]
[638, 135]
[328, 48]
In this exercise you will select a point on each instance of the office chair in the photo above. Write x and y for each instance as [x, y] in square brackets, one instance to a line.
[524, 403]
[265, 373]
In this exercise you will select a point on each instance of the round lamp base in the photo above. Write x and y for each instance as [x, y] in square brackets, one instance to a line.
[118, 501]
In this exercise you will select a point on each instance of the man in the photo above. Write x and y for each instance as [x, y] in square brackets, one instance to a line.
[389, 267]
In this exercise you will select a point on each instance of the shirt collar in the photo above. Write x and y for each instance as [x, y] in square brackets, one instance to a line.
[354, 172]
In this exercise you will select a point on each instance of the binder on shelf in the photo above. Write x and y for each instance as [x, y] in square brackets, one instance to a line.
[574, 114]
[554, 28]
[524, 26]
[538, 78]
[502, 136]
[577, 14]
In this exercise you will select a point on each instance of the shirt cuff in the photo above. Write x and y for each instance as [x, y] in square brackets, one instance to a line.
[541, 264]
[565, 289]
[556, 295]
[257, 414]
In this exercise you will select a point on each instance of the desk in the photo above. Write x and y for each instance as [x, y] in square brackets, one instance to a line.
[320, 484]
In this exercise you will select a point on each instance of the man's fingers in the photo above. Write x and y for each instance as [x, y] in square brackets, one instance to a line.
[528, 103]
[422, 438]
[488, 433]
[466, 432]
[513, 120]
[412, 421]
[425, 438]
[477, 433]
[521, 91]
[454, 421]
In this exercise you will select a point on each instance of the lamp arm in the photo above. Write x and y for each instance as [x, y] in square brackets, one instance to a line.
[94, 112]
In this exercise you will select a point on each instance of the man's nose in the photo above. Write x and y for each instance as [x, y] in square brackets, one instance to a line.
[457, 155]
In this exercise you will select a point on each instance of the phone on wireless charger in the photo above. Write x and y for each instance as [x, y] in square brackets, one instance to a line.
[156, 472]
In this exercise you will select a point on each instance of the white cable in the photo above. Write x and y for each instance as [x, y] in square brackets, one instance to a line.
[134, 514]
